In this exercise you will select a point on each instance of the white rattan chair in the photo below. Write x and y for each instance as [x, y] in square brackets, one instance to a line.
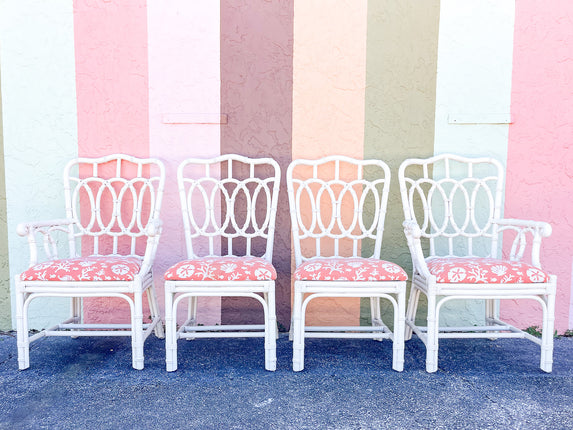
[228, 255]
[452, 209]
[112, 215]
[338, 206]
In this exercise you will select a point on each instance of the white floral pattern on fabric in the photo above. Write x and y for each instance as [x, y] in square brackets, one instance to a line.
[349, 269]
[222, 269]
[483, 271]
[105, 268]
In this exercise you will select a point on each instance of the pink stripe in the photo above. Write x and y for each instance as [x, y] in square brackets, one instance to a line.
[111, 68]
[112, 95]
[539, 158]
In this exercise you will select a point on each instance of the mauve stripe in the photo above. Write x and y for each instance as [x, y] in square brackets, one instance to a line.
[256, 94]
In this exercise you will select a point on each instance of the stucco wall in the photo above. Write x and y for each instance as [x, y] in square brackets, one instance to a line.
[400, 100]
[473, 82]
[289, 79]
[39, 121]
[540, 158]
[329, 76]
[5, 306]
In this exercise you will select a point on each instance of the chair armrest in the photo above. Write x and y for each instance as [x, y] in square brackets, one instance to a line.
[46, 229]
[153, 233]
[413, 234]
[544, 228]
[537, 229]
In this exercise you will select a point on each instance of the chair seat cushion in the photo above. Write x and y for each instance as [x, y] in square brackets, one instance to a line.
[471, 270]
[94, 268]
[349, 269]
[226, 268]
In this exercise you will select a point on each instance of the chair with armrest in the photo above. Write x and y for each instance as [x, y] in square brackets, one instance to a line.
[453, 225]
[112, 228]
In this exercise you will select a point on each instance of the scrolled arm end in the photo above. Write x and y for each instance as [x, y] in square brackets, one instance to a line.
[23, 229]
[546, 230]
[411, 229]
[154, 228]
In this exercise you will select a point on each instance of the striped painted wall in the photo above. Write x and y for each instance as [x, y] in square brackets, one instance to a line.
[290, 79]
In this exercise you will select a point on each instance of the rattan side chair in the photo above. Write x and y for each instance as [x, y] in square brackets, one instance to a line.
[229, 206]
[338, 207]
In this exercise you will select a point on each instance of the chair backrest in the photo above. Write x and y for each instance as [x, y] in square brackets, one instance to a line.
[337, 206]
[229, 205]
[112, 200]
[453, 200]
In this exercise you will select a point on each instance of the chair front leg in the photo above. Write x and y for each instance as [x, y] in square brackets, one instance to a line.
[22, 332]
[270, 330]
[137, 331]
[298, 331]
[546, 363]
[170, 331]
[399, 330]
[432, 335]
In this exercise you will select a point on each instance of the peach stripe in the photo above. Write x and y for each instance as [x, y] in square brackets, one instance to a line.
[329, 79]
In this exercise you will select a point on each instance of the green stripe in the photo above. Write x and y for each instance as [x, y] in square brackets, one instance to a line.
[401, 65]
[5, 308]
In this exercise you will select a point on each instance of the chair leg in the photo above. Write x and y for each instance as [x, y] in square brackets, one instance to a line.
[137, 331]
[76, 309]
[375, 313]
[155, 313]
[270, 331]
[298, 332]
[489, 311]
[170, 332]
[432, 336]
[411, 311]
[547, 334]
[399, 330]
[76, 312]
[22, 332]
[192, 313]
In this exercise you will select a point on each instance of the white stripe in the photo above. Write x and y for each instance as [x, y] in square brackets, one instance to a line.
[40, 122]
[473, 94]
[475, 54]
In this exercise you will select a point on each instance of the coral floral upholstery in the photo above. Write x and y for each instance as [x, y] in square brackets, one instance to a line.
[349, 269]
[227, 268]
[94, 268]
[483, 271]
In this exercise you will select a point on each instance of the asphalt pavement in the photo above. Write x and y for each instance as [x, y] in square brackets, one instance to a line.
[88, 383]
